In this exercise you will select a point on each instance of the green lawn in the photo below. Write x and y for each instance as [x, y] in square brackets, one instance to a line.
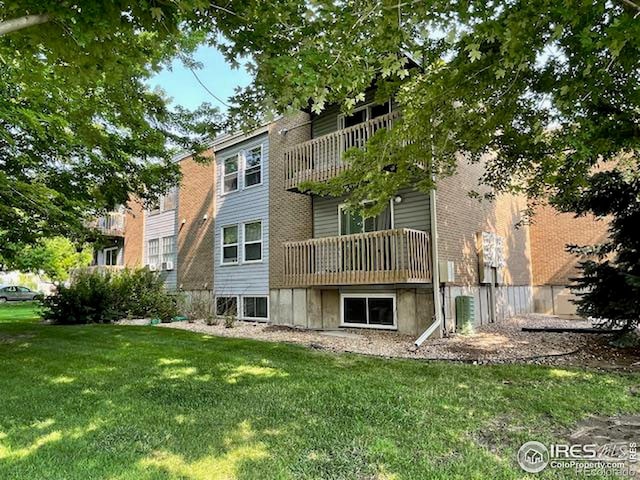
[12, 312]
[107, 402]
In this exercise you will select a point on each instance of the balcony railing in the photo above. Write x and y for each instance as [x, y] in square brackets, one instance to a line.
[111, 224]
[320, 159]
[386, 256]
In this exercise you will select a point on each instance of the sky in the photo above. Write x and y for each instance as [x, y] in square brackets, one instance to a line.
[218, 76]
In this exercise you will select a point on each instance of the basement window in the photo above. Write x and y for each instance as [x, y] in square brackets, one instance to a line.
[368, 310]
[227, 306]
[254, 308]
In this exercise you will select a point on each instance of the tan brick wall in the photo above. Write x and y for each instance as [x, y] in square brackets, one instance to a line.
[290, 216]
[134, 234]
[461, 217]
[551, 232]
[195, 240]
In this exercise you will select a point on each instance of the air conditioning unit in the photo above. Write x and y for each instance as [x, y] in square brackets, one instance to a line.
[167, 265]
[153, 267]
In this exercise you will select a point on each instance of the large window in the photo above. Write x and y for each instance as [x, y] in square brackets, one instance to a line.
[227, 306]
[253, 242]
[230, 180]
[255, 308]
[253, 166]
[353, 222]
[230, 244]
[153, 252]
[168, 248]
[369, 310]
[111, 256]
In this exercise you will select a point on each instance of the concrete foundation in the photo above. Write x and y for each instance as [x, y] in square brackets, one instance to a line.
[554, 300]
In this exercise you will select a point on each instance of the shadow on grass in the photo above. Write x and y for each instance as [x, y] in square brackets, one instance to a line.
[138, 403]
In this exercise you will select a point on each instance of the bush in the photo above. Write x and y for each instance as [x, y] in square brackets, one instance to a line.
[103, 297]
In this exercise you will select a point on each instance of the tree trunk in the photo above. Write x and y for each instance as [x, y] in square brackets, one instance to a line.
[9, 26]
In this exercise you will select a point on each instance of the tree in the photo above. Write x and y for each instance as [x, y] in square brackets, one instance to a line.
[79, 128]
[609, 287]
[53, 257]
[541, 91]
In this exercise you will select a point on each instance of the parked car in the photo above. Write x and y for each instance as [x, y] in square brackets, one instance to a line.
[18, 294]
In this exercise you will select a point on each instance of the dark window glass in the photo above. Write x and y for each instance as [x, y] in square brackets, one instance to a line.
[255, 307]
[379, 110]
[230, 254]
[253, 251]
[227, 306]
[381, 311]
[355, 310]
[355, 118]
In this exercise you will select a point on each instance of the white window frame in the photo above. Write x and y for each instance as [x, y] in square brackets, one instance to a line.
[239, 168]
[367, 296]
[245, 243]
[161, 202]
[104, 256]
[342, 206]
[254, 319]
[172, 253]
[157, 255]
[366, 107]
[244, 167]
[237, 297]
[237, 245]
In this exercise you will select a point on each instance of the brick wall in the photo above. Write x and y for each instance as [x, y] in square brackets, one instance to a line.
[195, 240]
[461, 217]
[551, 232]
[134, 234]
[290, 216]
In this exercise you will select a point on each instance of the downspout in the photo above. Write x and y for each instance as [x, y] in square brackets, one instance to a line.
[435, 271]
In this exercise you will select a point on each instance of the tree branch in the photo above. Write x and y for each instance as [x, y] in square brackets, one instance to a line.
[9, 26]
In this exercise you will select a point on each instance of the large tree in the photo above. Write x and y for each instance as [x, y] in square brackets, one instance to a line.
[80, 129]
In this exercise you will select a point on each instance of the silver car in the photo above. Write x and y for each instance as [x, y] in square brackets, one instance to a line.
[17, 294]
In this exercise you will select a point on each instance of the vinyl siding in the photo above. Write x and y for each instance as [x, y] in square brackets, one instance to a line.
[412, 212]
[236, 208]
[160, 225]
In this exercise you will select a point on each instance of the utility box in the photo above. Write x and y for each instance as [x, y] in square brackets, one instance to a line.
[447, 271]
[465, 314]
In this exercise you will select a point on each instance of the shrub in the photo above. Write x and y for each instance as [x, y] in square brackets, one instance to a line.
[200, 307]
[104, 297]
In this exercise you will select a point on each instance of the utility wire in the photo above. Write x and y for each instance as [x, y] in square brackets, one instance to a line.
[208, 91]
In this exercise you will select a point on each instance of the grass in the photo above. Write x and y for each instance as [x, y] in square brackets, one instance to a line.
[141, 403]
[21, 312]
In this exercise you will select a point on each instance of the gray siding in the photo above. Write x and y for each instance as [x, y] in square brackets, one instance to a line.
[236, 208]
[412, 212]
[160, 225]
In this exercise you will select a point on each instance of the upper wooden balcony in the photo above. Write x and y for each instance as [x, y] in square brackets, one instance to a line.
[320, 158]
[111, 224]
[382, 257]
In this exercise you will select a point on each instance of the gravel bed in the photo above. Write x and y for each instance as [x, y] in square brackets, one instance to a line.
[503, 342]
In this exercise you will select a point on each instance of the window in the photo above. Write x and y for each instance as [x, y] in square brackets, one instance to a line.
[253, 166]
[254, 307]
[153, 252]
[363, 114]
[369, 310]
[227, 306]
[166, 202]
[230, 180]
[230, 244]
[111, 256]
[168, 248]
[253, 242]
[353, 222]
[24, 290]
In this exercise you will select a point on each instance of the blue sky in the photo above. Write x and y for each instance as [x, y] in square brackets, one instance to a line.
[180, 84]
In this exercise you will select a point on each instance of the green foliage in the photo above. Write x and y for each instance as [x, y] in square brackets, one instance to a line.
[80, 129]
[55, 257]
[104, 297]
[609, 287]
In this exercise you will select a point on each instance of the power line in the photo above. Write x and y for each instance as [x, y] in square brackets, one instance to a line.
[208, 91]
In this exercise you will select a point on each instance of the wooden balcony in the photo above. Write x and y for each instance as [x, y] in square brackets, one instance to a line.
[111, 224]
[320, 159]
[382, 257]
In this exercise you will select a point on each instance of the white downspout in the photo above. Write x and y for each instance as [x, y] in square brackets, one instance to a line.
[435, 271]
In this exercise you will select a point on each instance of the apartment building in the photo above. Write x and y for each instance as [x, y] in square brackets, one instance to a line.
[240, 232]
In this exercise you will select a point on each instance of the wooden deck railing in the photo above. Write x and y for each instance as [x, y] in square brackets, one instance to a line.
[111, 224]
[386, 256]
[320, 159]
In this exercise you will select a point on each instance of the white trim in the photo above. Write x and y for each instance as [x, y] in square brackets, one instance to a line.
[341, 207]
[244, 241]
[237, 297]
[253, 319]
[367, 296]
[147, 250]
[222, 244]
[104, 255]
[367, 107]
[225, 174]
[244, 167]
